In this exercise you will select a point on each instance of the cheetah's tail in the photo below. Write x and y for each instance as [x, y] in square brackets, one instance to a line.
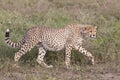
[10, 43]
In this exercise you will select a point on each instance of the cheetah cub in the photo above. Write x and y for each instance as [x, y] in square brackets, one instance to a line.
[53, 39]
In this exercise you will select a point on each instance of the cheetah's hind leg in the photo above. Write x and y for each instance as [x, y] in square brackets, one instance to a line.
[40, 57]
[24, 49]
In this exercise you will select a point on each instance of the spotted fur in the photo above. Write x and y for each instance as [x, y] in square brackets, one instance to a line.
[54, 39]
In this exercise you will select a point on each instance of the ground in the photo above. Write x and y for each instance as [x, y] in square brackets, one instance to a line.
[99, 71]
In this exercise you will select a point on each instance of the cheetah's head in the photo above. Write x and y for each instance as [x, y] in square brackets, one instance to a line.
[90, 31]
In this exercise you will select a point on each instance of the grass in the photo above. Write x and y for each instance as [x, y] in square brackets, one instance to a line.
[21, 15]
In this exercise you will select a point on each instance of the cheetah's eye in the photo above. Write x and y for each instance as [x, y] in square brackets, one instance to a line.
[90, 31]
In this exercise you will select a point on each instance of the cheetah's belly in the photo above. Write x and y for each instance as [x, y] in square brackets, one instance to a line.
[54, 45]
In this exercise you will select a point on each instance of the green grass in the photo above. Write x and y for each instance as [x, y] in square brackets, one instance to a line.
[21, 15]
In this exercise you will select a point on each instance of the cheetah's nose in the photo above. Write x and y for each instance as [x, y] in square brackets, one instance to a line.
[93, 36]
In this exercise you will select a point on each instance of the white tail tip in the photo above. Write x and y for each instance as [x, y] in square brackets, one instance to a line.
[7, 30]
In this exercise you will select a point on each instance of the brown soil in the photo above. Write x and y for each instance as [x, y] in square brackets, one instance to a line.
[110, 71]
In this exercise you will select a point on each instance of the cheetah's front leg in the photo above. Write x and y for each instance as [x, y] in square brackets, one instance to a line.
[68, 55]
[86, 53]
[40, 57]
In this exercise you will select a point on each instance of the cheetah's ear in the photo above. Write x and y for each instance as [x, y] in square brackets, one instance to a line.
[96, 27]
